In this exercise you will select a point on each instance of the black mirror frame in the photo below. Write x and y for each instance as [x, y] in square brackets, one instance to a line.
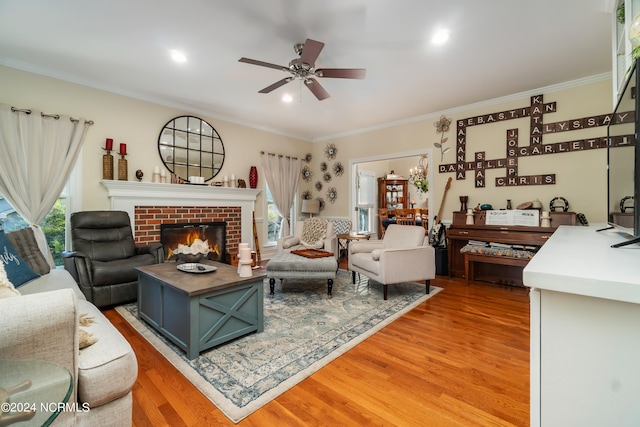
[192, 166]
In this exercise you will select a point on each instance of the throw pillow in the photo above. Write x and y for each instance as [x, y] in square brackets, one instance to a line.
[291, 241]
[25, 243]
[376, 254]
[43, 245]
[6, 287]
[18, 271]
[314, 231]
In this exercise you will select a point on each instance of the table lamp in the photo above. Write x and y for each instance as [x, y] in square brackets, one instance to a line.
[311, 207]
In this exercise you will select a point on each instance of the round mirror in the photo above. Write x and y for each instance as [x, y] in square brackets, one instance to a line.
[190, 146]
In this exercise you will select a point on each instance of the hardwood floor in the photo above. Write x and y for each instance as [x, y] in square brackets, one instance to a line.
[459, 359]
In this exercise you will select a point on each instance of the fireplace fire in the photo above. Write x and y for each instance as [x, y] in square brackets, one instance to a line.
[172, 235]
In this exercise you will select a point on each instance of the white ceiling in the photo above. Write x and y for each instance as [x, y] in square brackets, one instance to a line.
[497, 48]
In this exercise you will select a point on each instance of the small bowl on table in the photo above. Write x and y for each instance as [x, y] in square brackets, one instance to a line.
[191, 257]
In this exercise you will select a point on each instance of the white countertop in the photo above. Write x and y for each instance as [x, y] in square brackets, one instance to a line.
[580, 260]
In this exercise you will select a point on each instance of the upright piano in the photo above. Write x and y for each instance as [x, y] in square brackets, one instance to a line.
[459, 234]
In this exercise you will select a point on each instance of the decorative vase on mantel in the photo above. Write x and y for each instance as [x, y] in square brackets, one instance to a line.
[253, 177]
[107, 165]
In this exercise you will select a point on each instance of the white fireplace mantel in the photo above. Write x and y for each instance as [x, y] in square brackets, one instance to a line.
[126, 195]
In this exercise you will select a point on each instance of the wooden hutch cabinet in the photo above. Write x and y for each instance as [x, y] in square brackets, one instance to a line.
[393, 194]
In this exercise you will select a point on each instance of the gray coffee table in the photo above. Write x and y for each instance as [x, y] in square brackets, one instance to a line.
[198, 311]
[285, 265]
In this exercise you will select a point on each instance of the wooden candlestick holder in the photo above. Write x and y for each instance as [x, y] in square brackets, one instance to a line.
[122, 168]
[107, 165]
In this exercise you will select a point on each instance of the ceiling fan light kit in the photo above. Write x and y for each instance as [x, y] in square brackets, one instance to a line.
[303, 68]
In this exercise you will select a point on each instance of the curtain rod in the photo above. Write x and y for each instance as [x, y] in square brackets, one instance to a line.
[55, 116]
[279, 155]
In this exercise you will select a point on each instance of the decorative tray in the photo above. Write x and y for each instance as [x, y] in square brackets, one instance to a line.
[194, 267]
[312, 253]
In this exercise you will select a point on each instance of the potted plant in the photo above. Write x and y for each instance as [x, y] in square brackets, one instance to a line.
[422, 185]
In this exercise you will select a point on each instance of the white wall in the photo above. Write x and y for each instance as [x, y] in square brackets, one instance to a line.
[580, 176]
[138, 124]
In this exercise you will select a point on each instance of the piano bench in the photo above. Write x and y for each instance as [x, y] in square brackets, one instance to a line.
[489, 255]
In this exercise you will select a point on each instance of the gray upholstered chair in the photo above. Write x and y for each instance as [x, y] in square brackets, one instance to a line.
[401, 256]
[326, 240]
[105, 255]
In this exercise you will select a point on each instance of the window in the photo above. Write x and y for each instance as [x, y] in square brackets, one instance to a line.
[365, 201]
[274, 219]
[53, 226]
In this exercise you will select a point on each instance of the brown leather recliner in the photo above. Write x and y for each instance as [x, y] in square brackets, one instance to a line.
[105, 255]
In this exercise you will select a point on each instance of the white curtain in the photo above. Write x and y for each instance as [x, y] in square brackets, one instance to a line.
[282, 174]
[37, 153]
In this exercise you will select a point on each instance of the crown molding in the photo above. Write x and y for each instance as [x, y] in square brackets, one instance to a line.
[501, 100]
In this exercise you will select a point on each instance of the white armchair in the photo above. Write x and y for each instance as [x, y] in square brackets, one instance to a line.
[401, 256]
[318, 234]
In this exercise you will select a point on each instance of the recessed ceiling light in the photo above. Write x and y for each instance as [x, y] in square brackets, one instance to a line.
[287, 98]
[178, 56]
[440, 36]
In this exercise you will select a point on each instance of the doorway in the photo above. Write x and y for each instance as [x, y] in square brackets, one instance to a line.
[374, 167]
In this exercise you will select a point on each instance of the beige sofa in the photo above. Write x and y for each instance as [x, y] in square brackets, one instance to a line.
[43, 323]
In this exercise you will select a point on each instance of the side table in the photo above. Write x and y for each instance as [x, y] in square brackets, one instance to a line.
[32, 390]
[343, 243]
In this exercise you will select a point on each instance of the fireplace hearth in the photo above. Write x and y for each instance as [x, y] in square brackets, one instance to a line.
[171, 235]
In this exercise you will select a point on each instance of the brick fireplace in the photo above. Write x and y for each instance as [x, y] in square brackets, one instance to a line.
[151, 204]
[213, 233]
[147, 220]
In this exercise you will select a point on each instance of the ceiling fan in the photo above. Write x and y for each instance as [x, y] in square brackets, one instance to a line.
[303, 68]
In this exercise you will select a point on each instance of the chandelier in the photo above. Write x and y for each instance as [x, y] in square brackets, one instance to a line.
[418, 175]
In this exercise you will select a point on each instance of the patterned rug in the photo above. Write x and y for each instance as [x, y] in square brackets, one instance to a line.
[304, 330]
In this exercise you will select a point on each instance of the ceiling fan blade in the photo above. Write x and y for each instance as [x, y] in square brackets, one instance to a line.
[342, 73]
[263, 64]
[276, 85]
[317, 89]
[311, 51]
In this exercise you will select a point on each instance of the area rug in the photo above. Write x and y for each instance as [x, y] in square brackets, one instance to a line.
[304, 330]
